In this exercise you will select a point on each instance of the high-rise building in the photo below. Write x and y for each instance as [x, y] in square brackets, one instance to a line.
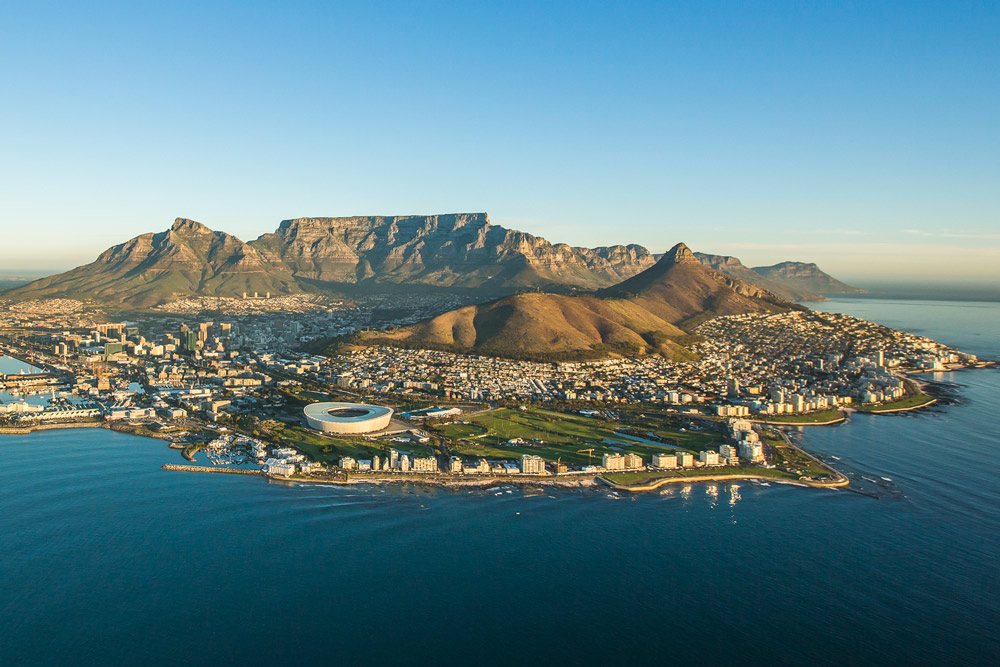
[664, 460]
[613, 462]
[532, 465]
[729, 453]
[752, 451]
[425, 464]
[633, 461]
[189, 340]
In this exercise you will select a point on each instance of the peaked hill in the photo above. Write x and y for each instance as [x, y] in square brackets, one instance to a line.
[647, 313]
[189, 258]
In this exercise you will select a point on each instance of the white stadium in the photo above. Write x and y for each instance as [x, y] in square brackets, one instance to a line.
[347, 418]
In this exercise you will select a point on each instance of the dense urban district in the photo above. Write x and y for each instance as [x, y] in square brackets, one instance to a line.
[227, 382]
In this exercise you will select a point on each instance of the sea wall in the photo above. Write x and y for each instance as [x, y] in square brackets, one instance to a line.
[22, 430]
[224, 471]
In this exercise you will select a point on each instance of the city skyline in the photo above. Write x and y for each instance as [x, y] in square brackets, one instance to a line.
[862, 139]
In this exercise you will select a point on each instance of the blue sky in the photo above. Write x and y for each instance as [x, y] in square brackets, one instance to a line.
[862, 136]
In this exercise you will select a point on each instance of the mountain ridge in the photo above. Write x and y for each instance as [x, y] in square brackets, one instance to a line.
[652, 312]
[461, 252]
[805, 276]
[445, 250]
[734, 267]
[450, 251]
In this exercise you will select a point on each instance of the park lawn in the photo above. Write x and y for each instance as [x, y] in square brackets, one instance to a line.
[913, 401]
[791, 458]
[694, 441]
[329, 449]
[457, 431]
[315, 396]
[564, 435]
[805, 418]
[538, 424]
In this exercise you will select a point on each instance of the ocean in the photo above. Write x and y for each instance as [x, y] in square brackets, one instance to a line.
[107, 559]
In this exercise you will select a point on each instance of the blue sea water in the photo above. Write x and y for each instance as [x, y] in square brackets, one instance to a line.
[107, 559]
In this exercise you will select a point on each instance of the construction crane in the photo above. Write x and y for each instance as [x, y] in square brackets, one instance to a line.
[590, 453]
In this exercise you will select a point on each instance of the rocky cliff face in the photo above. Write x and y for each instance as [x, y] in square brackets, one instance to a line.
[805, 276]
[187, 245]
[732, 266]
[185, 260]
[461, 251]
[455, 250]
[458, 251]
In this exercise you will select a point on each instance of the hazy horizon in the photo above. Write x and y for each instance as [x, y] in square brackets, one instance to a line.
[861, 138]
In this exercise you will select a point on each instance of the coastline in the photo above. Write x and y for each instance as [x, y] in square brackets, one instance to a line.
[889, 411]
[845, 412]
[24, 430]
[839, 420]
[655, 484]
[584, 480]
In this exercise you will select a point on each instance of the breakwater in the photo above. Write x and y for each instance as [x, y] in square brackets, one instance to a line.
[24, 430]
[225, 471]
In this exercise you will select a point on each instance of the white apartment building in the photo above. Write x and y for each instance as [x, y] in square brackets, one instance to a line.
[613, 462]
[532, 465]
[664, 460]
[425, 464]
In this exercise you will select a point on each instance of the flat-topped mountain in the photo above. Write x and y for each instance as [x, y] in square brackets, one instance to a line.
[456, 251]
[805, 276]
[189, 258]
[647, 313]
[366, 254]
[461, 250]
